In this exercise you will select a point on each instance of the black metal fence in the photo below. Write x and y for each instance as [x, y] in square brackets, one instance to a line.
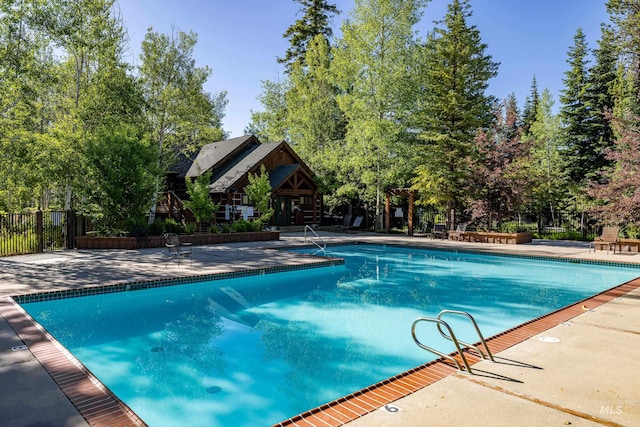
[41, 231]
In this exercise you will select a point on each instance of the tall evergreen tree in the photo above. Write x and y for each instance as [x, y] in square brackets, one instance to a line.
[580, 149]
[625, 16]
[531, 105]
[452, 107]
[600, 99]
[314, 21]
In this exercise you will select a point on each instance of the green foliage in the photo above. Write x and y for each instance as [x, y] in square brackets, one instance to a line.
[531, 105]
[156, 228]
[314, 120]
[454, 73]
[313, 23]
[545, 171]
[173, 226]
[120, 177]
[580, 146]
[373, 70]
[270, 124]
[241, 226]
[191, 228]
[259, 192]
[200, 202]
[179, 111]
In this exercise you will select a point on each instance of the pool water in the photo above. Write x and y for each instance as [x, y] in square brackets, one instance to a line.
[256, 350]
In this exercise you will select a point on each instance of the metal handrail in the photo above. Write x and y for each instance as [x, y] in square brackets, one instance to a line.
[475, 325]
[436, 352]
[321, 247]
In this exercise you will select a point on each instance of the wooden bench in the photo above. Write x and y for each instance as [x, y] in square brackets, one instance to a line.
[632, 245]
[495, 237]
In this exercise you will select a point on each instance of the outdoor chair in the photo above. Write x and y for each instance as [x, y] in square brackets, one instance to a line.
[439, 231]
[357, 223]
[346, 222]
[608, 239]
[177, 250]
[458, 234]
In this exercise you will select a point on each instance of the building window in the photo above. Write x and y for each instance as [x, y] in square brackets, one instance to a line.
[245, 200]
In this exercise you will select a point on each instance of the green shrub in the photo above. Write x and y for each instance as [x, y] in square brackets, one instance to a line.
[156, 228]
[173, 226]
[241, 226]
[191, 228]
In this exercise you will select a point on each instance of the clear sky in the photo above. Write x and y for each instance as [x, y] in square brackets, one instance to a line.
[241, 39]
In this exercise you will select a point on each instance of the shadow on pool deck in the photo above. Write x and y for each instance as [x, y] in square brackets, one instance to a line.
[588, 378]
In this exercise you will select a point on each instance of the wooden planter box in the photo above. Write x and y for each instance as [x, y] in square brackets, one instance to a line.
[494, 237]
[91, 242]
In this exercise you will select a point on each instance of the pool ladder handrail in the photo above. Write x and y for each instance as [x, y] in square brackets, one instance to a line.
[452, 337]
[322, 245]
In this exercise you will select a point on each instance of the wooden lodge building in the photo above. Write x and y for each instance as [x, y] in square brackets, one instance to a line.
[294, 194]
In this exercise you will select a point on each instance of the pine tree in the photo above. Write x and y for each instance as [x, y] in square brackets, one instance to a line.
[600, 99]
[315, 21]
[580, 149]
[531, 105]
[625, 16]
[453, 106]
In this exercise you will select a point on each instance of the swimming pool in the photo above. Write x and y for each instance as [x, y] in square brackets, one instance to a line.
[256, 350]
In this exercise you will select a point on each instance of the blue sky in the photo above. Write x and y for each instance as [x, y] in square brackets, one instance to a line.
[240, 40]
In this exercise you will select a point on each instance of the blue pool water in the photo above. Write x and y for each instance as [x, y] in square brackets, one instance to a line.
[256, 350]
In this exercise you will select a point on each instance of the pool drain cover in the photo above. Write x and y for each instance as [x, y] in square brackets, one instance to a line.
[213, 390]
[156, 349]
[549, 339]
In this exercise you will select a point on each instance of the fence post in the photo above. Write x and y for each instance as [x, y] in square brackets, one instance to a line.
[70, 229]
[39, 231]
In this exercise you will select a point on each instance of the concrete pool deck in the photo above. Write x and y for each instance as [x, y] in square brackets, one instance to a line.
[589, 377]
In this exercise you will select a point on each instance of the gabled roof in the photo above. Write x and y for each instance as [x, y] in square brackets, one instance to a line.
[228, 176]
[281, 174]
[214, 154]
[231, 160]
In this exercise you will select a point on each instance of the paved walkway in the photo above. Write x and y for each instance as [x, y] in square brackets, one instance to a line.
[587, 378]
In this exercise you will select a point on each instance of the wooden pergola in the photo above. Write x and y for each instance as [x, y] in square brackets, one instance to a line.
[404, 192]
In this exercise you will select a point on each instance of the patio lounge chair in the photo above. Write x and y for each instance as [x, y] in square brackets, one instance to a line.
[608, 239]
[357, 223]
[177, 250]
[458, 234]
[439, 231]
[346, 222]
